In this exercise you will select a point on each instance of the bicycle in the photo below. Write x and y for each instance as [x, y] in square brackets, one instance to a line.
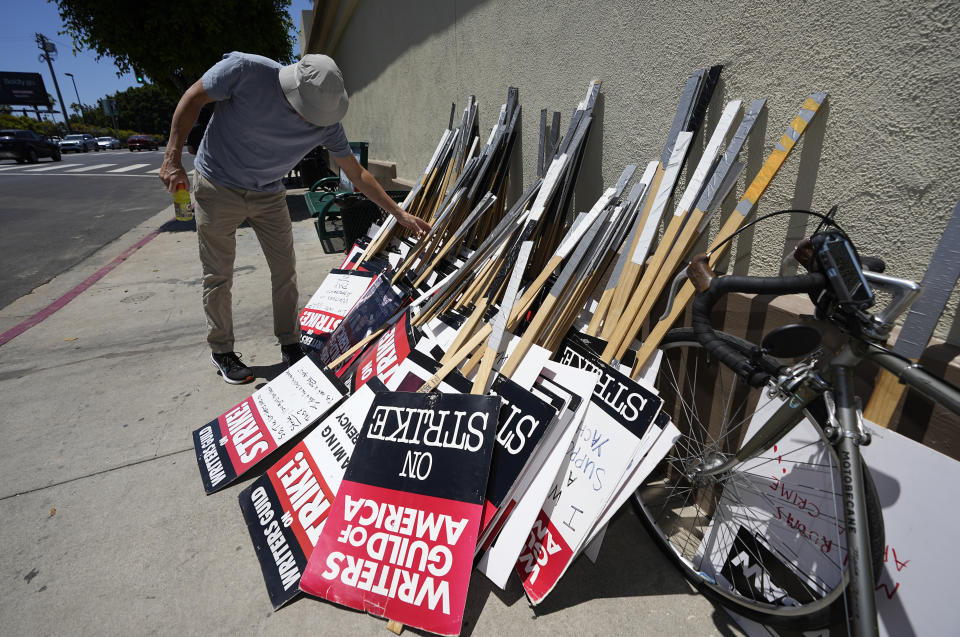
[764, 502]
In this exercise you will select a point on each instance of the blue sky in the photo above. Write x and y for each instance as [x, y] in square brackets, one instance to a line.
[19, 51]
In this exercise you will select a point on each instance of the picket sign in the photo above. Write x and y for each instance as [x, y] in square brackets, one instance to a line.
[417, 368]
[636, 201]
[677, 241]
[400, 538]
[379, 303]
[694, 100]
[619, 414]
[637, 472]
[681, 215]
[285, 509]
[737, 218]
[938, 283]
[919, 558]
[656, 442]
[381, 359]
[440, 332]
[524, 420]
[340, 290]
[524, 500]
[237, 440]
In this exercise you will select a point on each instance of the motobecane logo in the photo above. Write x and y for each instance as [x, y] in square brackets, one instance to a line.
[616, 394]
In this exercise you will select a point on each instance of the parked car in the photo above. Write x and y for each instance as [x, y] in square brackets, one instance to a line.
[79, 142]
[108, 143]
[142, 142]
[27, 146]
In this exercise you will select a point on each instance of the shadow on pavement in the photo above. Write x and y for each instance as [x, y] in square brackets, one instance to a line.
[267, 372]
[629, 565]
[179, 226]
[297, 204]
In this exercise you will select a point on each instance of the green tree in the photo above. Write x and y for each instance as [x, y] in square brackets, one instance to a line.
[147, 109]
[173, 43]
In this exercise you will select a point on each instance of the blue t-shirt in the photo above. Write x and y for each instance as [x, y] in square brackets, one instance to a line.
[255, 137]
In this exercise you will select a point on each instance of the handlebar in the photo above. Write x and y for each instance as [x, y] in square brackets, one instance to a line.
[710, 289]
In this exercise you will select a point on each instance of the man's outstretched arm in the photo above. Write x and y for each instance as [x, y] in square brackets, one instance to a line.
[365, 183]
[171, 170]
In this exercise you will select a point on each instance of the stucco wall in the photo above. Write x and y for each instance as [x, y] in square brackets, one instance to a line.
[886, 151]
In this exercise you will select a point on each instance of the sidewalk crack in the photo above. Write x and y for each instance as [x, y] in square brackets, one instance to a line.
[95, 473]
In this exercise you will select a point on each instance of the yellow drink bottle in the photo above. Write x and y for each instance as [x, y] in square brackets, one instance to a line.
[181, 204]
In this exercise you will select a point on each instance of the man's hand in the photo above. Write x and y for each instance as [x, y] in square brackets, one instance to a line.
[172, 173]
[365, 183]
[416, 224]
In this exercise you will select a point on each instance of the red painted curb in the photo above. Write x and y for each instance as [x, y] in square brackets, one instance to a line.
[48, 311]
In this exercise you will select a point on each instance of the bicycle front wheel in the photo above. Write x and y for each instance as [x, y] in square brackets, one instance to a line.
[766, 538]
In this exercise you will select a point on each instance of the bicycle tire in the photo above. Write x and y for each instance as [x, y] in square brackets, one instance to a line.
[699, 538]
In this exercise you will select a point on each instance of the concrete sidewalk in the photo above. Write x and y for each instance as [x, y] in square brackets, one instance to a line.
[106, 529]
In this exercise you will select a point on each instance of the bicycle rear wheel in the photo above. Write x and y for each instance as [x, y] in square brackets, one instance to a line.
[765, 539]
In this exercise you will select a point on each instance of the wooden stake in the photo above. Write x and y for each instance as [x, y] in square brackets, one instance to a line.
[543, 315]
[631, 269]
[733, 223]
[476, 341]
[562, 252]
[621, 337]
[635, 201]
[938, 283]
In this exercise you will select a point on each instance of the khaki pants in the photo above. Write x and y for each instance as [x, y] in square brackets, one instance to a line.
[220, 211]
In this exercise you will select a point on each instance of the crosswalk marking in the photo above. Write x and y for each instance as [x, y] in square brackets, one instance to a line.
[77, 168]
[86, 168]
[127, 168]
[43, 168]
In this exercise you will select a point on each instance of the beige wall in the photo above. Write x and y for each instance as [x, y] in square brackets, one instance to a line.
[886, 151]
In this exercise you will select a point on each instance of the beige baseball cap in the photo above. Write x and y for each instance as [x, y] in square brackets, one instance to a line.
[314, 87]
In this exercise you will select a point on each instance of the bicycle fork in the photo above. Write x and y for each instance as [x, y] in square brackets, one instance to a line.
[862, 605]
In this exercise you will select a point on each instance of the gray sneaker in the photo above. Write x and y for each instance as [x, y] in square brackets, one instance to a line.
[233, 371]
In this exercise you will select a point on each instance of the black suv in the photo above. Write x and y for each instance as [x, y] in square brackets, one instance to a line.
[27, 146]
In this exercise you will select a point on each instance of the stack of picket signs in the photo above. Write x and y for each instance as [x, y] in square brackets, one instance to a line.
[465, 403]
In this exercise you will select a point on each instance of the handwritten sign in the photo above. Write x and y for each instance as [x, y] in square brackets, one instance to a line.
[340, 290]
[400, 538]
[237, 440]
[374, 308]
[913, 483]
[507, 533]
[285, 509]
[619, 414]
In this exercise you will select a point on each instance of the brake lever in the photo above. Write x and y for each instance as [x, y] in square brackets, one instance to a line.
[678, 280]
[704, 274]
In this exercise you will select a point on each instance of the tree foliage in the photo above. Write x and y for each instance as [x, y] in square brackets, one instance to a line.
[145, 109]
[141, 109]
[173, 43]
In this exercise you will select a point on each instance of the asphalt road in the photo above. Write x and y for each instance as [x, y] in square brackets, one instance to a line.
[55, 214]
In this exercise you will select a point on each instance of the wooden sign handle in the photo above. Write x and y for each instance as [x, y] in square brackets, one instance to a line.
[434, 381]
